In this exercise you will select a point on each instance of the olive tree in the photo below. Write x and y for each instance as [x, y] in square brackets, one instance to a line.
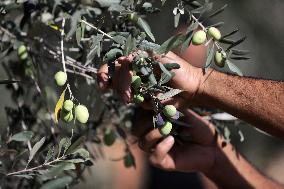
[51, 52]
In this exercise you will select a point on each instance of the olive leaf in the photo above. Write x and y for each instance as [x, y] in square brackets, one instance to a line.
[82, 153]
[57, 183]
[163, 2]
[75, 145]
[230, 34]
[242, 138]
[169, 94]
[239, 52]
[240, 57]
[56, 170]
[236, 43]
[234, 68]
[22, 136]
[59, 105]
[227, 134]
[210, 55]
[26, 176]
[176, 18]
[50, 154]
[171, 43]
[143, 24]
[166, 75]
[129, 45]
[186, 42]
[35, 149]
[64, 143]
[217, 12]
[79, 35]
[171, 66]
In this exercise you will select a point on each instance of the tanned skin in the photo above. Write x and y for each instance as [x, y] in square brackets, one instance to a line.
[257, 101]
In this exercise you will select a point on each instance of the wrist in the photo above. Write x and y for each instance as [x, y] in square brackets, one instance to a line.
[208, 82]
[219, 159]
[200, 95]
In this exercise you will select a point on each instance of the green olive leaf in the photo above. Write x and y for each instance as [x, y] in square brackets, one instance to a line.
[144, 25]
[35, 149]
[57, 183]
[22, 136]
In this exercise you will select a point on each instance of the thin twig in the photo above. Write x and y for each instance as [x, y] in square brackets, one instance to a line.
[100, 31]
[63, 58]
[79, 73]
[205, 29]
[35, 168]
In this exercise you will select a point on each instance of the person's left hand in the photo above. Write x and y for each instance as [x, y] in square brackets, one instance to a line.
[198, 154]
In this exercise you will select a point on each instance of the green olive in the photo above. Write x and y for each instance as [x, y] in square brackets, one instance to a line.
[60, 78]
[199, 37]
[166, 128]
[214, 33]
[66, 116]
[68, 105]
[109, 137]
[22, 49]
[22, 52]
[169, 111]
[220, 59]
[133, 17]
[82, 113]
[138, 99]
[24, 56]
[136, 82]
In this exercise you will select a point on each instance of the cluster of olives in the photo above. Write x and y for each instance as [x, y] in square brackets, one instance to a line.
[81, 112]
[200, 37]
[136, 83]
[163, 119]
[66, 114]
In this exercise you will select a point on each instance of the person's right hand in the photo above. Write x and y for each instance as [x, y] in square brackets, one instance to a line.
[187, 78]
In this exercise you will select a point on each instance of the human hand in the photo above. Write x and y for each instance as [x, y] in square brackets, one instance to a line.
[187, 78]
[196, 154]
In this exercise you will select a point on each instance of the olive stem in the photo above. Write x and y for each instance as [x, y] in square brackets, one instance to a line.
[37, 167]
[205, 29]
[97, 29]
[62, 55]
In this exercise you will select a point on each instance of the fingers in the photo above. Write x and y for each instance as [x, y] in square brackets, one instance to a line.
[121, 80]
[103, 77]
[158, 153]
[161, 151]
[201, 132]
[124, 84]
[150, 140]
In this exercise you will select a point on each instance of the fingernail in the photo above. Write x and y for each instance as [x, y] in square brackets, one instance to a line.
[169, 140]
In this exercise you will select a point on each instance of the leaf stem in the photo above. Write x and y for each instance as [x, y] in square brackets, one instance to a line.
[37, 167]
[97, 29]
[205, 29]
[62, 55]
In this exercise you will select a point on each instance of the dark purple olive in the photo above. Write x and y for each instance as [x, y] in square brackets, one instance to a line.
[160, 120]
[176, 116]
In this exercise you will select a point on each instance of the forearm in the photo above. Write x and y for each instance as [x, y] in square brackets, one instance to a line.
[231, 170]
[259, 102]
